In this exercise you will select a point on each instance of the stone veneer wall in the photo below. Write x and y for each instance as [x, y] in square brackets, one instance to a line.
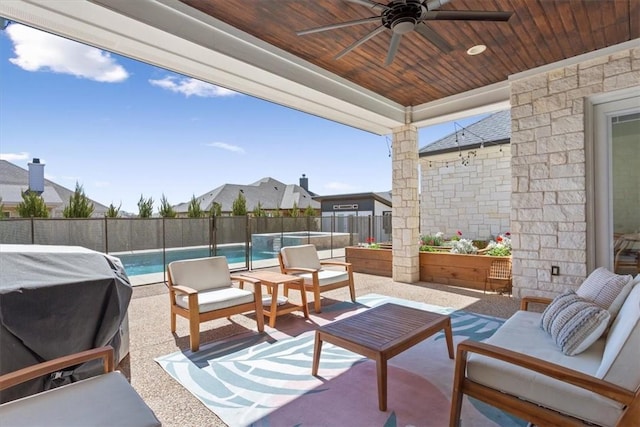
[548, 203]
[475, 199]
[405, 213]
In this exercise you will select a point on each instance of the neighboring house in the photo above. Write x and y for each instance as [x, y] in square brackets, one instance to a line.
[359, 204]
[14, 180]
[466, 180]
[272, 195]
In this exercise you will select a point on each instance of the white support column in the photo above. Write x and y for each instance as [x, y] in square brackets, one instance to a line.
[405, 211]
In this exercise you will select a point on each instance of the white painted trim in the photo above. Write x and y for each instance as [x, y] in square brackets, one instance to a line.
[610, 50]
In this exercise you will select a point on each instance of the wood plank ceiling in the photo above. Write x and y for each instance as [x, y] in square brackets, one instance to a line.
[539, 32]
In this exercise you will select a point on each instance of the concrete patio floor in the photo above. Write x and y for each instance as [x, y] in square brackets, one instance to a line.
[150, 336]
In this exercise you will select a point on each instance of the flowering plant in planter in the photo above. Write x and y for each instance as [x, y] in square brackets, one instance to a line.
[371, 243]
[463, 246]
[429, 240]
[501, 246]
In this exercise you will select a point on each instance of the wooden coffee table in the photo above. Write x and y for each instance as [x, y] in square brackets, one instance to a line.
[272, 280]
[381, 333]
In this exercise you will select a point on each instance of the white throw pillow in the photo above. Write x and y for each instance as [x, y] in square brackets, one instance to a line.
[574, 323]
[606, 289]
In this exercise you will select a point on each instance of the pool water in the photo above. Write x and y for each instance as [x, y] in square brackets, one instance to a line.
[151, 262]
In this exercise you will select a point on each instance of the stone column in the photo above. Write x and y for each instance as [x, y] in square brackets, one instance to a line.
[405, 211]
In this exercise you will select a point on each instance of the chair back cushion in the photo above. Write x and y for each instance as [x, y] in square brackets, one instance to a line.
[201, 273]
[301, 256]
[620, 362]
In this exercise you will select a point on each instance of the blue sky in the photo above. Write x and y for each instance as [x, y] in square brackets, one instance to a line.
[123, 129]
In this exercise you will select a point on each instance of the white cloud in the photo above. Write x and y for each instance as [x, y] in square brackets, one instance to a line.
[225, 146]
[36, 50]
[188, 87]
[12, 157]
[338, 186]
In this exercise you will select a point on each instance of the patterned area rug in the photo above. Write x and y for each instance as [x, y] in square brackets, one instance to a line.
[265, 379]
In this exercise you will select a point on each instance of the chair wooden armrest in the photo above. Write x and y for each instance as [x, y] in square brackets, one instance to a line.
[183, 289]
[31, 372]
[524, 303]
[241, 279]
[299, 270]
[346, 265]
[543, 367]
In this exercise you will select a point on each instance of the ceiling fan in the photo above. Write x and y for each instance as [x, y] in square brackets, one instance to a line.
[404, 16]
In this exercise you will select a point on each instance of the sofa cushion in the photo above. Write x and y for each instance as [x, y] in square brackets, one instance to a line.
[574, 323]
[620, 362]
[607, 289]
[522, 333]
[301, 256]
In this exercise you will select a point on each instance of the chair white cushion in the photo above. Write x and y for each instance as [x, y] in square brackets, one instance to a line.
[521, 333]
[215, 299]
[574, 323]
[301, 256]
[607, 289]
[325, 277]
[104, 400]
[201, 273]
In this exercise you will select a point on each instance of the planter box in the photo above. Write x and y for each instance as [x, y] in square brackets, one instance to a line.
[370, 261]
[468, 271]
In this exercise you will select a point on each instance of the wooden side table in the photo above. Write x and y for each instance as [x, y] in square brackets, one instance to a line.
[272, 280]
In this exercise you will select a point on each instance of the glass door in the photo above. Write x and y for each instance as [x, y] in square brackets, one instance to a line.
[616, 184]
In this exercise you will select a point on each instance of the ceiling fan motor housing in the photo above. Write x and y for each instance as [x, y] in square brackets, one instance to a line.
[402, 16]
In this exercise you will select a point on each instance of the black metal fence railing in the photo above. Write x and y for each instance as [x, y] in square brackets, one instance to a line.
[147, 245]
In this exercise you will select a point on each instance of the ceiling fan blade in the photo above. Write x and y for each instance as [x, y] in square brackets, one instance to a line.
[340, 25]
[393, 48]
[370, 3]
[433, 37]
[466, 15]
[357, 43]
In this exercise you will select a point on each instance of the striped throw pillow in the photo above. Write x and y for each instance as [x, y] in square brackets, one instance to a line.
[574, 323]
[606, 289]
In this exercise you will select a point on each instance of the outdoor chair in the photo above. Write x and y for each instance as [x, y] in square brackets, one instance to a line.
[303, 261]
[102, 400]
[500, 271]
[202, 289]
[626, 256]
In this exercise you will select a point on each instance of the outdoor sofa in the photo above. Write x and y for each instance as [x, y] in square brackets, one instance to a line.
[577, 362]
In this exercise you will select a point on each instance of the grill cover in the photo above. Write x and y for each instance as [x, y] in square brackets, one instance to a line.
[55, 301]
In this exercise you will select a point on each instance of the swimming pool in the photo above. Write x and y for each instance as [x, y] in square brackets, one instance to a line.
[151, 262]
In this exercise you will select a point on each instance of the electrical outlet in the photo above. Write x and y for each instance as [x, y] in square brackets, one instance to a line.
[555, 270]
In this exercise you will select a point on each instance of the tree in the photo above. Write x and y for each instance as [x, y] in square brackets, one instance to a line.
[239, 205]
[258, 211]
[166, 211]
[309, 211]
[194, 210]
[112, 211]
[1, 209]
[32, 205]
[295, 211]
[276, 213]
[145, 207]
[216, 209]
[79, 205]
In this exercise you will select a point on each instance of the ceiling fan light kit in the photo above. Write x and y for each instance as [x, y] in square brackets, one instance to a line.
[404, 16]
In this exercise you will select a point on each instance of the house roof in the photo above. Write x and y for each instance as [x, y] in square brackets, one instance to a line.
[271, 193]
[492, 130]
[382, 197]
[14, 180]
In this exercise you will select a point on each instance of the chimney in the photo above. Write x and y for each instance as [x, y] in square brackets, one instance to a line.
[304, 182]
[36, 176]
